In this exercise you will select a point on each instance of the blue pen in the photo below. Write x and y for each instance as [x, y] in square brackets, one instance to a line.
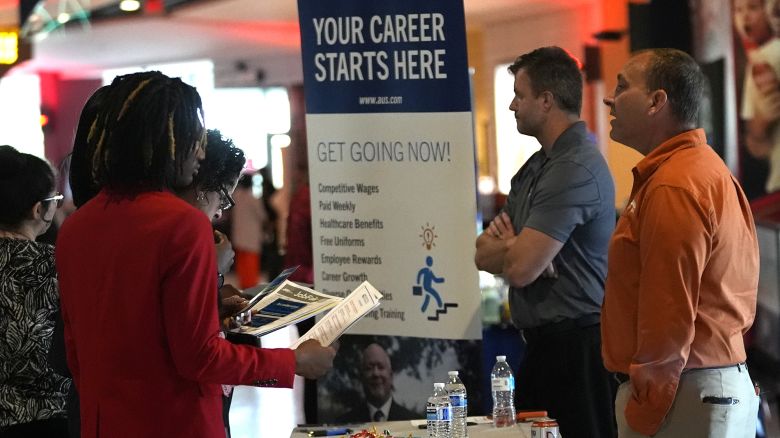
[330, 432]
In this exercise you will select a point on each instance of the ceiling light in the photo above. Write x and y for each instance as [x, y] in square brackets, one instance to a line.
[63, 18]
[129, 5]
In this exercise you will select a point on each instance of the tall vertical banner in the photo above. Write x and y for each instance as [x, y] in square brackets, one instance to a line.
[391, 161]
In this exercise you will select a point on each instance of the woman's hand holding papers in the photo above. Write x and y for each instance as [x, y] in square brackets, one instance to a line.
[312, 360]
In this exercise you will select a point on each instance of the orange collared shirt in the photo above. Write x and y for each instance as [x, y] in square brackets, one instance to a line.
[682, 275]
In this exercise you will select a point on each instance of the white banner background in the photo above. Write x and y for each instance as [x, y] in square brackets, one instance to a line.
[436, 192]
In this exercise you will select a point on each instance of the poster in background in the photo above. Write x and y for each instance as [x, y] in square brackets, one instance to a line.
[757, 49]
[391, 161]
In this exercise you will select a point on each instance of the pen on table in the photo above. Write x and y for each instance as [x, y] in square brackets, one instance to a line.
[330, 432]
[468, 423]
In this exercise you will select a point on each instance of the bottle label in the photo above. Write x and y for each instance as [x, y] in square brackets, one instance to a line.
[430, 413]
[458, 401]
[503, 383]
[445, 413]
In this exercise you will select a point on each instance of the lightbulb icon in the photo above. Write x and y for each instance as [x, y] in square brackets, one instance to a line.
[428, 236]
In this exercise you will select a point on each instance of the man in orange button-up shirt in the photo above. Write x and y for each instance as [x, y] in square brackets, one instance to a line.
[683, 265]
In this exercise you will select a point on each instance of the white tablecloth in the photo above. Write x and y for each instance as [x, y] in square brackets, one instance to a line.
[402, 429]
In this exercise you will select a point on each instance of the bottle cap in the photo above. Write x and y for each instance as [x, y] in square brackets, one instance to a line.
[501, 358]
[438, 385]
[452, 373]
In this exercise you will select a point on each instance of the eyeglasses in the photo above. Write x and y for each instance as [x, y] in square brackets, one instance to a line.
[225, 201]
[59, 197]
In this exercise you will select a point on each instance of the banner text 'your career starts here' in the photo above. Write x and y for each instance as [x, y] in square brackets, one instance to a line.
[366, 65]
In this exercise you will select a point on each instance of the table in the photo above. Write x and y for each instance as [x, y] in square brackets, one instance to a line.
[402, 429]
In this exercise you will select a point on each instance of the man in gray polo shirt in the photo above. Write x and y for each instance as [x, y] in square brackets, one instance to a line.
[550, 243]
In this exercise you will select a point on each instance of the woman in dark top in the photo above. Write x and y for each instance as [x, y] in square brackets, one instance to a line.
[32, 395]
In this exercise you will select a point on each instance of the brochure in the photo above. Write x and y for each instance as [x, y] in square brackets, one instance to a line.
[287, 303]
[259, 291]
[349, 310]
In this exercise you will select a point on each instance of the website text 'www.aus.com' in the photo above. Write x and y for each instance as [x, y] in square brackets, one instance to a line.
[380, 100]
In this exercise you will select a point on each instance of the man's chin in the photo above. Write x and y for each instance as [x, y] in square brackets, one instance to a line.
[378, 399]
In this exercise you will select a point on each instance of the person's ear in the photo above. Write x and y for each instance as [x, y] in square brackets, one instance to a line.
[658, 101]
[37, 211]
[548, 100]
[41, 208]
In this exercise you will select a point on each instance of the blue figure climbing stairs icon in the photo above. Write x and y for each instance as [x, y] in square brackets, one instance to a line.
[426, 278]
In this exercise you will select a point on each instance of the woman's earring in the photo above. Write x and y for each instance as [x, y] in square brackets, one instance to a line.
[201, 196]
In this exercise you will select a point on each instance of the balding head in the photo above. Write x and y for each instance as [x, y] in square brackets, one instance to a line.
[677, 73]
[658, 95]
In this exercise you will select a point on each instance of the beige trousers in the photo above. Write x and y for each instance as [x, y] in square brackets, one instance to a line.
[701, 408]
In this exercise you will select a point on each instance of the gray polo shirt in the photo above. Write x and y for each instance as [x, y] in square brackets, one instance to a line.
[569, 196]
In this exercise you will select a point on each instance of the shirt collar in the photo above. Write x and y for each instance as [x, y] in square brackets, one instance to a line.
[573, 135]
[385, 408]
[648, 165]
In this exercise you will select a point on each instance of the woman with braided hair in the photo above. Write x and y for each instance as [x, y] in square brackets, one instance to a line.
[137, 269]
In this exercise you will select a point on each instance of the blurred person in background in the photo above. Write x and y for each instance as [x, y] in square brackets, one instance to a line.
[299, 243]
[247, 217]
[32, 394]
[276, 203]
[299, 253]
[758, 25]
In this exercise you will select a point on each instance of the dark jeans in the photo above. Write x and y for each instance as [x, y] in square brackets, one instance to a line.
[563, 374]
[50, 428]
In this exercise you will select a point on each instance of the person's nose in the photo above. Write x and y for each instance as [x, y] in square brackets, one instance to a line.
[218, 214]
[512, 106]
[609, 101]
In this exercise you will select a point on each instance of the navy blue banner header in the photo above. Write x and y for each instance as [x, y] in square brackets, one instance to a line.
[363, 56]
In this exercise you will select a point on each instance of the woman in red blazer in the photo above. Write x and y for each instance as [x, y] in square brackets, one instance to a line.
[137, 270]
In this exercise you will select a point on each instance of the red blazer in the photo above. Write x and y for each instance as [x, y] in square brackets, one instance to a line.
[137, 284]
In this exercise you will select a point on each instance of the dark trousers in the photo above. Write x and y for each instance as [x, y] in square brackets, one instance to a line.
[240, 339]
[563, 374]
[50, 428]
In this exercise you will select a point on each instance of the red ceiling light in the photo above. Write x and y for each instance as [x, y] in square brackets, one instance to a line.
[154, 7]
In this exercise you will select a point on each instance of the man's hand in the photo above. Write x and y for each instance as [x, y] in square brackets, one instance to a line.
[492, 244]
[501, 227]
[550, 271]
[312, 360]
[225, 253]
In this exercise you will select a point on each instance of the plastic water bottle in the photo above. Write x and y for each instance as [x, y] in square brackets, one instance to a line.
[457, 392]
[438, 413]
[503, 386]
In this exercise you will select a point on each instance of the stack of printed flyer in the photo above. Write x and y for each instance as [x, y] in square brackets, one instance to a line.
[283, 302]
